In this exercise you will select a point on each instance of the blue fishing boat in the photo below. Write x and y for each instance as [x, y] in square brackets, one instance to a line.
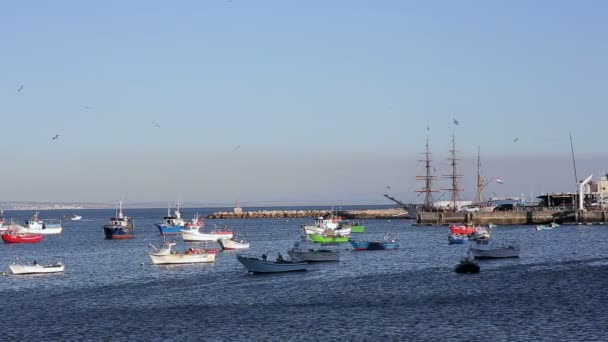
[120, 226]
[386, 243]
[454, 239]
[172, 223]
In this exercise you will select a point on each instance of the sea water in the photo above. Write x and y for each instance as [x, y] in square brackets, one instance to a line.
[110, 291]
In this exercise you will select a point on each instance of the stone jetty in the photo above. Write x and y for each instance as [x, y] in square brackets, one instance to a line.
[346, 214]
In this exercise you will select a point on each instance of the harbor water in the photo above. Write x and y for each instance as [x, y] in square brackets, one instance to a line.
[110, 291]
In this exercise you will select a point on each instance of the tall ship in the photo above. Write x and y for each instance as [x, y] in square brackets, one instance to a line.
[120, 226]
[173, 223]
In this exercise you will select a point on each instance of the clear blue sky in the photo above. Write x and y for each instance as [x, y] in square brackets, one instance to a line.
[328, 100]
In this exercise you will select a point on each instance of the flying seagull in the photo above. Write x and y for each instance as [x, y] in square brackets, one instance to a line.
[388, 187]
[55, 137]
[236, 148]
[156, 124]
[516, 139]
[20, 88]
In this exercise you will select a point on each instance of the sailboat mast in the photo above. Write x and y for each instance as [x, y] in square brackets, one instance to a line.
[428, 177]
[479, 178]
[454, 176]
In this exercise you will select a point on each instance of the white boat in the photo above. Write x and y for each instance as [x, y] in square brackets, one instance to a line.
[194, 234]
[301, 252]
[233, 243]
[75, 218]
[45, 227]
[262, 265]
[36, 268]
[480, 233]
[489, 248]
[329, 226]
[167, 255]
[547, 227]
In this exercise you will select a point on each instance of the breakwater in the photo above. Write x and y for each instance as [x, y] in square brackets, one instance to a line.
[513, 217]
[346, 214]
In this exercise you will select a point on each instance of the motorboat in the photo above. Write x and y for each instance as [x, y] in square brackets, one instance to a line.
[462, 230]
[455, 239]
[467, 265]
[547, 226]
[480, 233]
[36, 268]
[75, 218]
[167, 255]
[233, 243]
[489, 248]
[120, 226]
[301, 252]
[15, 235]
[388, 242]
[327, 226]
[262, 265]
[194, 234]
[173, 223]
[35, 225]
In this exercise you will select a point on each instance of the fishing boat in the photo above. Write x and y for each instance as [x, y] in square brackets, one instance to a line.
[233, 243]
[35, 225]
[491, 249]
[192, 232]
[172, 224]
[388, 242]
[262, 265]
[454, 239]
[462, 230]
[320, 238]
[301, 252]
[167, 255]
[120, 226]
[36, 268]
[467, 265]
[327, 226]
[547, 226]
[14, 235]
[480, 233]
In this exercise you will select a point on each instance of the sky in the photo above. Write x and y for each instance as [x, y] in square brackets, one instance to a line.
[328, 100]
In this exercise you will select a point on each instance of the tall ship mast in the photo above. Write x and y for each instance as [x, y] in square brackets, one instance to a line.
[455, 189]
[428, 178]
[480, 181]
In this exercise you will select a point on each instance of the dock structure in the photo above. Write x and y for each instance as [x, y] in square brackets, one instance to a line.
[346, 214]
[518, 217]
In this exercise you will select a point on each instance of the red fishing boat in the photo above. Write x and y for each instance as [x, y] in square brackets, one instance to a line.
[462, 230]
[14, 237]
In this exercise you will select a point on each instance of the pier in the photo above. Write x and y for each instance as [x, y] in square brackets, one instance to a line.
[513, 217]
[345, 214]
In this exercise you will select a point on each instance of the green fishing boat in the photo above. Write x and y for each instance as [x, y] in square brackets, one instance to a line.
[357, 227]
[318, 238]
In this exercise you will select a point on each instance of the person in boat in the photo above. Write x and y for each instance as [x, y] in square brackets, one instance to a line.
[280, 258]
[264, 257]
[35, 262]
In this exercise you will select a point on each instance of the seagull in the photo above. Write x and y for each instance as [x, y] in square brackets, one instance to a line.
[236, 148]
[20, 88]
[515, 139]
[55, 137]
[388, 187]
[86, 107]
[156, 124]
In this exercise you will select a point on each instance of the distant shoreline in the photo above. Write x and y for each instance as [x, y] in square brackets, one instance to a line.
[98, 206]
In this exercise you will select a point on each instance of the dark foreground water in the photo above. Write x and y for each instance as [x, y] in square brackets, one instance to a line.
[110, 291]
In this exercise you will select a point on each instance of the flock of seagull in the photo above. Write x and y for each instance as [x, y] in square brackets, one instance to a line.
[57, 136]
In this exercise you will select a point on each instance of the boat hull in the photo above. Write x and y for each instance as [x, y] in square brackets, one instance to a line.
[255, 265]
[192, 236]
[454, 239]
[313, 256]
[373, 245]
[357, 229]
[495, 253]
[36, 269]
[168, 230]
[182, 258]
[117, 233]
[230, 244]
[317, 238]
[52, 230]
[21, 238]
[462, 230]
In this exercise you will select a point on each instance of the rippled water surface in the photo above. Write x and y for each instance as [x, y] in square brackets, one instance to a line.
[110, 291]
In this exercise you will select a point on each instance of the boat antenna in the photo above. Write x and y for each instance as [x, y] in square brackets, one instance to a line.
[573, 160]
